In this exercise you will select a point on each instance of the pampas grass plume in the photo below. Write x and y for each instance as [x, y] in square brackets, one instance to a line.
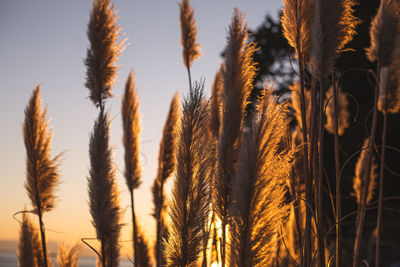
[42, 175]
[29, 249]
[361, 170]
[189, 204]
[131, 131]
[259, 189]
[333, 27]
[384, 31]
[297, 19]
[68, 256]
[343, 114]
[215, 103]
[191, 50]
[295, 88]
[103, 191]
[103, 32]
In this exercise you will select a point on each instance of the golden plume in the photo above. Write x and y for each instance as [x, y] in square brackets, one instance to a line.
[143, 250]
[215, 103]
[189, 204]
[361, 170]
[384, 31]
[42, 175]
[29, 249]
[166, 166]
[238, 77]
[131, 129]
[191, 50]
[297, 19]
[343, 114]
[103, 192]
[68, 256]
[260, 206]
[333, 27]
[103, 32]
[295, 88]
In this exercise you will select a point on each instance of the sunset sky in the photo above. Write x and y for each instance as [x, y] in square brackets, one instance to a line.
[44, 42]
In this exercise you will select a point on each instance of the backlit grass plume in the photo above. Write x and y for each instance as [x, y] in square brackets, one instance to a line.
[297, 19]
[189, 204]
[238, 78]
[333, 27]
[215, 103]
[191, 50]
[103, 32]
[68, 256]
[166, 166]
[103, 192]
[384, 31]
[131, 134]
[29, 248]
[361, 170]
[260, 186]
[343, 114]
[143, 250]
[42, 175]
[295, 88]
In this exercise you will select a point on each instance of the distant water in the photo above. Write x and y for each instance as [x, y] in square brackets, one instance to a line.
[9, 259]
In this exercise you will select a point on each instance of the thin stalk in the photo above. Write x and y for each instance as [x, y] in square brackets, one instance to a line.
[43, 237]
[190, 78]
[337, 171]
[135, 256]
[321, 249]
[360, 222]
[103, 254]
[380, 201]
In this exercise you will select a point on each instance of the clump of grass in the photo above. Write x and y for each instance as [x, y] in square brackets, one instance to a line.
[42, 175]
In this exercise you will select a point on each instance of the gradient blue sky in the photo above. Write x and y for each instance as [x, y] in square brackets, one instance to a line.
[44, 42]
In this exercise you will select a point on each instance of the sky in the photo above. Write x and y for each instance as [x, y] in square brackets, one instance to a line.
[44, 43]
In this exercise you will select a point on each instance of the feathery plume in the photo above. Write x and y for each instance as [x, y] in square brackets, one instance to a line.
[360, 176]
[238, 77]
[343, 114]
[29, 250]
[143, 259]
[166, 166]
[131, 130]
[297, 19]
[215, 103]
[41, 171]
[189, 204]
[68, 257]
[103, 32]
[295, 88]
[103, 192]
[389, 94]
[259, 189]
[333, 27]
[384, 31]
[191, 50]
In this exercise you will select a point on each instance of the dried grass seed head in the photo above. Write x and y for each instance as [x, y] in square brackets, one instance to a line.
[42, 175]
[131, 134]
[384, 30]
[103, 32]
[191, 50]
[343, 114]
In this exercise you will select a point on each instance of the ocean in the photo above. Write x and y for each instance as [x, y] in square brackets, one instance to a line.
[9, 259]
